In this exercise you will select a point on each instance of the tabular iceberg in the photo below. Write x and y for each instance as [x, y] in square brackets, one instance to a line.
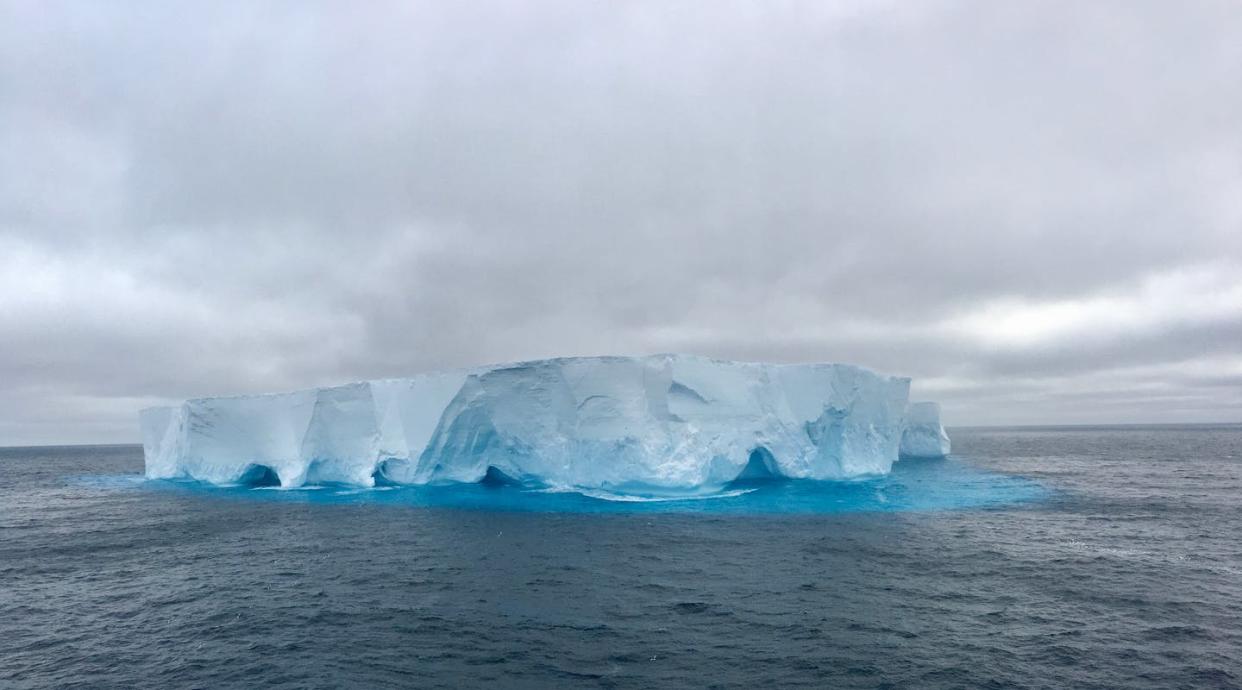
[924, 437]
[665, 423]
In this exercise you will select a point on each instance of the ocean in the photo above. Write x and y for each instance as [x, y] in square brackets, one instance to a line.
[1084, 557]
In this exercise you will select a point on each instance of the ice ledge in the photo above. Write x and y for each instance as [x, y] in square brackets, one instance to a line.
[924, 436]
[664, 423]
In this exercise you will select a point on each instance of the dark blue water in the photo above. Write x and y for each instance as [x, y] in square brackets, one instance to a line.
[1083, 557]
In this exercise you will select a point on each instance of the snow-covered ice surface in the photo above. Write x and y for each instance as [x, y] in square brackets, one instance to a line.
[665, 424]
[924, 436]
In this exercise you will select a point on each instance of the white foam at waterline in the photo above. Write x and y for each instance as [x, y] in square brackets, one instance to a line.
[308, 487]
[363, 490]
[629, 498]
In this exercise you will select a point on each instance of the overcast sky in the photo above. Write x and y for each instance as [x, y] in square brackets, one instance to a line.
[1034, 209]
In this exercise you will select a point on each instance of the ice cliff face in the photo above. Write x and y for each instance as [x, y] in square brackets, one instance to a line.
[666, 423]
[924, 437]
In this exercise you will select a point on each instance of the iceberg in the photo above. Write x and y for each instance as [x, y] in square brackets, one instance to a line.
[924, 437]
[663, 424]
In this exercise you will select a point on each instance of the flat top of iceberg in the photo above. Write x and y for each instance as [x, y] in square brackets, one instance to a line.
[520, 364]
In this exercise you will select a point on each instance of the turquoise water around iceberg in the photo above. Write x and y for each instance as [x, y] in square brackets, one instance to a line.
[913, 485]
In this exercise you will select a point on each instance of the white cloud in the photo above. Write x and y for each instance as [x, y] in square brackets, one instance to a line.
[1163, 301]
[1022, 206]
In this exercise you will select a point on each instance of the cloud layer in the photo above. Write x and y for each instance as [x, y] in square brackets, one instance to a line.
[1035, 209]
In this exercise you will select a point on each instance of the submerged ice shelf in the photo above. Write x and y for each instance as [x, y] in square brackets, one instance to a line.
[669, 424]
[914, 484]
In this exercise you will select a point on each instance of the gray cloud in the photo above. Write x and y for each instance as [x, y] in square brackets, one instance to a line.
[1035, 209]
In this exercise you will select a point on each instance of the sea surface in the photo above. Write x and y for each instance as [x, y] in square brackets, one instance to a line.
[1072, 557]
